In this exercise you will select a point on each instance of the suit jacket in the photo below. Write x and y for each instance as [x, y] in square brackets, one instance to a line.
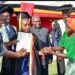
[42, 35]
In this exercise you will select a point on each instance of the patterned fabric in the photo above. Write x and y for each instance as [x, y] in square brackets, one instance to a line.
[70, 69]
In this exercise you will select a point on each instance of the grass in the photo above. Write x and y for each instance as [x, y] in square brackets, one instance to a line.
[52, 69]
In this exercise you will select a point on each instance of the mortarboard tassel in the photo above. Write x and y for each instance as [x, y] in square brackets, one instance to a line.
[20, 22]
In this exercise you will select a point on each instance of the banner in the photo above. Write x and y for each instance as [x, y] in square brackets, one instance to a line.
[26, 7]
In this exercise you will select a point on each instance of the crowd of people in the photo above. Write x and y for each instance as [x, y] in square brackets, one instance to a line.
[63, 38]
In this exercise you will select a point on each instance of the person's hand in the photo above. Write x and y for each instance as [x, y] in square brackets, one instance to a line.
[50, 61]
[21, 53]
[41, 53]
[14, 42]
[47, 50]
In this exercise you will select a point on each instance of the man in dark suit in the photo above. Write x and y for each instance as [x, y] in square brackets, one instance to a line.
[42, 36]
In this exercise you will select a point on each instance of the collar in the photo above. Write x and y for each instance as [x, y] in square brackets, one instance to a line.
[37, 28]
[7, 26]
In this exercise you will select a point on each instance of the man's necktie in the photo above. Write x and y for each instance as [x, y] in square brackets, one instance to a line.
[8, 32]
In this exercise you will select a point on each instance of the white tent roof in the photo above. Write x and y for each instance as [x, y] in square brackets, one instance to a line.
[48, 3]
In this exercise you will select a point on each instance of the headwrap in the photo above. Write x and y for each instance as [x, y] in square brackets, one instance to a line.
[71, 23]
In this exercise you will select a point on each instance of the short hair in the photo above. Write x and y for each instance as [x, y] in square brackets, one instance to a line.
[35, 16]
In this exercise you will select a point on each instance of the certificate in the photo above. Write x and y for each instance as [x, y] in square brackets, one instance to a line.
[24, 41]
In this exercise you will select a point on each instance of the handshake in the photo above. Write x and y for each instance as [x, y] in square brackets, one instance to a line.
[46, 51]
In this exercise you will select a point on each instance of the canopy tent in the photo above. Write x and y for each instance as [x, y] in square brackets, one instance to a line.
[45, 12]
[41, 10]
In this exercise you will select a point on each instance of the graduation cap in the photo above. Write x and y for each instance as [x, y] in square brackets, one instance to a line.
[24, 15]
[8, 9]
[65, 8]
